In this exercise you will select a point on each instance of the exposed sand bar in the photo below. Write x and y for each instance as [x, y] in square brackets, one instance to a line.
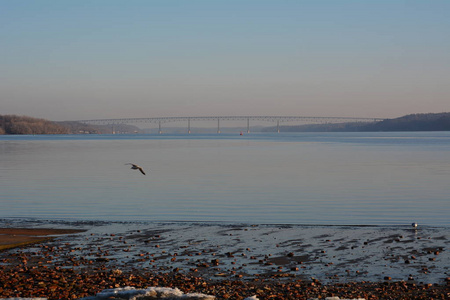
[15, 237]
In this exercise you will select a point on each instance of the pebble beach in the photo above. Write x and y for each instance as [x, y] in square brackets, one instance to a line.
[222, 261]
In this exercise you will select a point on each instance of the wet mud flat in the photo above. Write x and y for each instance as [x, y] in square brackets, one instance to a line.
[232, 261]
[15, 237]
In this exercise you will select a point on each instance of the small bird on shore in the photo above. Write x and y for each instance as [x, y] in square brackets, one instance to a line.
[414, 225]
[136, 167]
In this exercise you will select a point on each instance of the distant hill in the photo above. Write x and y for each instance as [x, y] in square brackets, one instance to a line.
[12, 124]
[413, 122]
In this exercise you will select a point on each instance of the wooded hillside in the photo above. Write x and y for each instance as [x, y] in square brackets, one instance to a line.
[13, 124]
[413, 122]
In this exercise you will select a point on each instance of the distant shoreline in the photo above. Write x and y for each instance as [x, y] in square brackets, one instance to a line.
[12, 124]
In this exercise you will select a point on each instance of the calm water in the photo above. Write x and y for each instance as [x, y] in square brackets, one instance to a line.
[306, 178]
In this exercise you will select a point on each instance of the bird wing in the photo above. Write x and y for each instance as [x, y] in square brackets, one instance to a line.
[142, 171]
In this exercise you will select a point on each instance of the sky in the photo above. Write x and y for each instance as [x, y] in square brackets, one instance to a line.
[83, 59]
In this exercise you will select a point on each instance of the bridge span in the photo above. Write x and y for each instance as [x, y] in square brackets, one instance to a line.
[276, 119]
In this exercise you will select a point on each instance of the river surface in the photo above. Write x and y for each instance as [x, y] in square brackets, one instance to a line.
[301, 178]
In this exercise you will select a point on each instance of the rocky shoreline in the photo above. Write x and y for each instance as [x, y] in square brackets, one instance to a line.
[205, 260]
[65, 283]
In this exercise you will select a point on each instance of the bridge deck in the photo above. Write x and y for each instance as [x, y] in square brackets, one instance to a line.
[231, 118]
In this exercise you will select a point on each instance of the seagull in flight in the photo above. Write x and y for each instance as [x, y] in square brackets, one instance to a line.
[136, 167]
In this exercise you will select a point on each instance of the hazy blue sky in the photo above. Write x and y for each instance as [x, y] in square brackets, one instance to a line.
[71, 60]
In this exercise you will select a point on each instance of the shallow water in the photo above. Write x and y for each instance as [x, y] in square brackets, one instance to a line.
[330, 254]
[307, 178]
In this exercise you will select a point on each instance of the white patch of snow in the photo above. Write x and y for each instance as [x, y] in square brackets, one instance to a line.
[131, 293]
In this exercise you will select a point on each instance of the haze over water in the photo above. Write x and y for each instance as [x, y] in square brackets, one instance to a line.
[304, 178]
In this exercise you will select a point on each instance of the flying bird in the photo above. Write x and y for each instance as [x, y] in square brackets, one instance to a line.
[136, 167]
